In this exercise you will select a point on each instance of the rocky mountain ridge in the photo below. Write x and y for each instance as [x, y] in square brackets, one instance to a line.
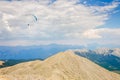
[62, 66]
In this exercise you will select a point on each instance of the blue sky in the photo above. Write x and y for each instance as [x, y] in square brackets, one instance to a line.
[113, 22]
[75, 22]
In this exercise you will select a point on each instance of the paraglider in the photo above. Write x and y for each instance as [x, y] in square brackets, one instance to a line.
[31, 19]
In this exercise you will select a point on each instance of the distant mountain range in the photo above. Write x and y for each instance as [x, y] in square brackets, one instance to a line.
[105, 57]
[32, 52]
[62, 66]
[44, 51]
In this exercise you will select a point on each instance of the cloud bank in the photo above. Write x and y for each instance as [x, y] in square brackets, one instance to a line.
[62, 21]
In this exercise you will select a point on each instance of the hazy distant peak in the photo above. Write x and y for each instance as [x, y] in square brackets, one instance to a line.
[108, 51]
[82, 50]
[102, 50]
[116, 52]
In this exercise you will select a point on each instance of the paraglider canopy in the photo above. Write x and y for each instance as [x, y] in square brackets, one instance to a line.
[31, 19]
[35, 17]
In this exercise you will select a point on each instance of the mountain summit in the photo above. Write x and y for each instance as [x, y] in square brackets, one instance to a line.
[62, 66]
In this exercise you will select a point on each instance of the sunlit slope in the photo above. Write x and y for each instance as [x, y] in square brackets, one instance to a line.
[62, 66]
[1, 63]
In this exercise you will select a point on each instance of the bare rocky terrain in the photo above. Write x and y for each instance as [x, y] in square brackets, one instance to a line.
[62, 66]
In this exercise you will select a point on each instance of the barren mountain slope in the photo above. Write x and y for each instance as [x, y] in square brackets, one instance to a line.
[62, 66]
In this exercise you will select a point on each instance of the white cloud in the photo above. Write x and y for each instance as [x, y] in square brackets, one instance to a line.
[102, 33]
[106, 8]
[60, 20]
[91, 34]
[109, 33]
